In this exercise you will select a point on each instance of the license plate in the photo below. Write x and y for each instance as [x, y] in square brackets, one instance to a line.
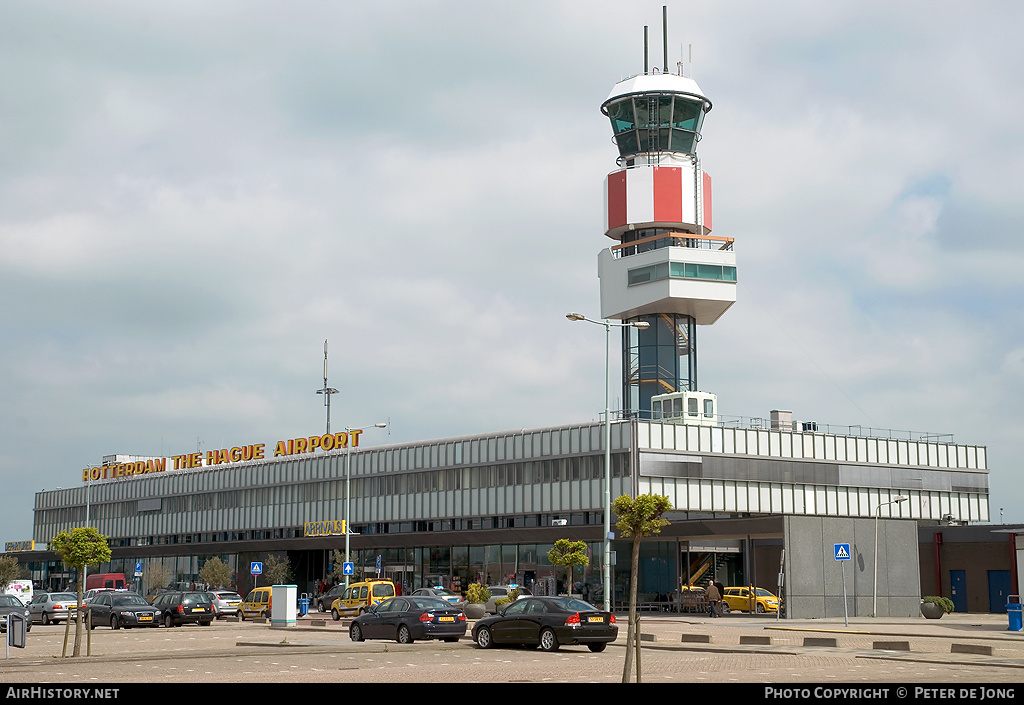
[198, 609]
[446, 619]
[146, 618]
[595, 619]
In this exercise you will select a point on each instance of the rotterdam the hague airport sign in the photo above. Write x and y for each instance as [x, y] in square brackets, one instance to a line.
[256, 451]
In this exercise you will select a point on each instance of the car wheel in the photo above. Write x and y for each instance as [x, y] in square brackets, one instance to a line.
[760, 608]
[355, 633]
[334, 614]
[168, 622]
[548, 640]
[113, 622]
[404, 635]
[597, 648]
[241, 615]
[46, 618]
[483, 638]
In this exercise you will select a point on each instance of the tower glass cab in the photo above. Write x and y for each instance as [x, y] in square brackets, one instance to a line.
[665, 267]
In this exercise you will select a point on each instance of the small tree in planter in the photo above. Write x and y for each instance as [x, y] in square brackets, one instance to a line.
[476, 596]
[570, 554]
[933, 607]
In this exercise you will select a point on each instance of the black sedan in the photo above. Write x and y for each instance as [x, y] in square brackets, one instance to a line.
[549, 622]
[9, 604]
[122, 609]
[406, 619]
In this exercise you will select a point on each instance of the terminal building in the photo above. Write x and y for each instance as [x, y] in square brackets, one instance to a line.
[759, 501]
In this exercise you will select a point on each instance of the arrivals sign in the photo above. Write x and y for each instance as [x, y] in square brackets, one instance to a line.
[256, 451]
[12, 546]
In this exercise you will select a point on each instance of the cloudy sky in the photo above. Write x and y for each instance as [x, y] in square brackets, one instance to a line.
[195, 195]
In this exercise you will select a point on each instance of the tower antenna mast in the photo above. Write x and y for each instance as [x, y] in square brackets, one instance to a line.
[327, 391]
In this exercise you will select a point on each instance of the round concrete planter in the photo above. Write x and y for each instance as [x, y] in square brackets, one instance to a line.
[930, 610]
[474, 611]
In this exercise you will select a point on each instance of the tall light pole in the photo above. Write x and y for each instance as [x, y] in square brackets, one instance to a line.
[348, 482]
[327, 391]
[874, 591]
[608, 325]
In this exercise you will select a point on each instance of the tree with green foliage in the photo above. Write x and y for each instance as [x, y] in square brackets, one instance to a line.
[277, 571]
[78, 548]
[570, 554]
[215, 573]
[638, 518]
[9, 571]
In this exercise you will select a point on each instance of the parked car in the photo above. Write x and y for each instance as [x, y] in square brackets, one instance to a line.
[325, 600]
[225, 602]
[178, 608]
[500, 591]
[48, 607]
[359, 597]
[256, 604]
[406, 619]
[739, 599]
[549, 622]
[9, 604]
[116, 609]
[89, 595]
[452, 598]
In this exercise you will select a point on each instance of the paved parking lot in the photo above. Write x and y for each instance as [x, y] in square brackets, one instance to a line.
[248, 652]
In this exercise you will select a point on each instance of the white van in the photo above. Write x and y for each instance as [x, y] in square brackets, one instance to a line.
[22, 589]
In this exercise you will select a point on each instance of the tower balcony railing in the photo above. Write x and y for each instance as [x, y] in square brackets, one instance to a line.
[672, 239]
[755, 423]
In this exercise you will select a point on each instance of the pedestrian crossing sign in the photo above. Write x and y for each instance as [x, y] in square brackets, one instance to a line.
[842, 551]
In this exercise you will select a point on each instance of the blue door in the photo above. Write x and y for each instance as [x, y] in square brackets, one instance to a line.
[999, 587]
[958, 590]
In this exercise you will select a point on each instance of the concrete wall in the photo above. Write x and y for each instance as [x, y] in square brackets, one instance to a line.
[814, 579]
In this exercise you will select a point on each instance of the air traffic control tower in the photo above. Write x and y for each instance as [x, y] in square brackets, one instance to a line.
[665, 267]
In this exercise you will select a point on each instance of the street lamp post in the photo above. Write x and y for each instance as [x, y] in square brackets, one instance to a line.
[348, 482]
[608, 325]
[874, 591]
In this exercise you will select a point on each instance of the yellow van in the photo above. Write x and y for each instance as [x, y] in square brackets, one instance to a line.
[257, 604]
[359, 597]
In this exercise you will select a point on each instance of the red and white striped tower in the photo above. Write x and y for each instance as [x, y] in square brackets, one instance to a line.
[665, 267]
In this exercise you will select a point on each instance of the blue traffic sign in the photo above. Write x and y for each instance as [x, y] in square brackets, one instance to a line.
[348, 568]
[842, 551]
[256, 568]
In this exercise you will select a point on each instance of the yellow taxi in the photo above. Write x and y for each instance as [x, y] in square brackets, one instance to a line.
[739, 600]
[359, 597]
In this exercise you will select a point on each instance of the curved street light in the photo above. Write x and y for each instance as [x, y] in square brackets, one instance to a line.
[608, 325]
[348, 484]
[874, 591]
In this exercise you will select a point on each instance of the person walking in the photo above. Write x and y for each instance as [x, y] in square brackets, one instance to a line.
[713, 597]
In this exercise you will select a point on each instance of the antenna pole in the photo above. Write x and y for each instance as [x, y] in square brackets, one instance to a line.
[664, 33]
[645, 51]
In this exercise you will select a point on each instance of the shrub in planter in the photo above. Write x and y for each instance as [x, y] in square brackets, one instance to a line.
[476, 596]
[933, 607]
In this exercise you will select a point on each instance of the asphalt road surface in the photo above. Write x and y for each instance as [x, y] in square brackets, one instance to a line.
[231, 652]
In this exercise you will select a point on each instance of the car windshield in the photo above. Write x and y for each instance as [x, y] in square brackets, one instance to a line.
[383, 590]
[444, 591]
[571, 605]
[62, 597]
[229, 596]
[194, 598]
[430, 603]
[125, 600]
[10, 601]
[761, 592]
